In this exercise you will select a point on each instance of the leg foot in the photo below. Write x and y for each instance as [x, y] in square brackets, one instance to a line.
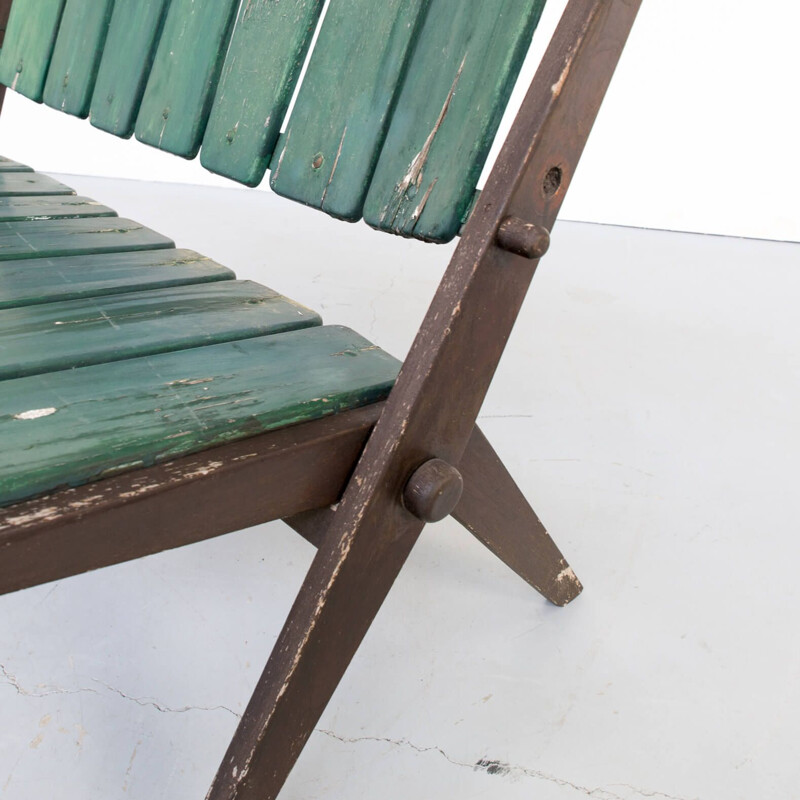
[497, 513]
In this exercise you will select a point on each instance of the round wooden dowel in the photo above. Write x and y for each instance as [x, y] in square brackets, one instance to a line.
[433, 491]
[523, 238]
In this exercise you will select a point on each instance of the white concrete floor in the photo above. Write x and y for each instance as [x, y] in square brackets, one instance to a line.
[647, 405]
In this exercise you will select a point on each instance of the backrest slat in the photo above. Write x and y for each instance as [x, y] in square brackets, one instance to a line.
[76, 57]
[28, 45]
[267, 50]
[180, 90]
[461, 75]
[125, 67]
[393, 121]
[342, 111]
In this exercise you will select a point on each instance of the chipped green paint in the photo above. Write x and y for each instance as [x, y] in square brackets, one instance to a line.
[28, 45]
[335, 132]
[22, 184]
[76, 57]
[46, 280]
[180, 90]
[128, 55]
[16, 209]
[78, 333]
[7, 165]
[464, 67]
[268, 47]
[74, 426]
[45, 238]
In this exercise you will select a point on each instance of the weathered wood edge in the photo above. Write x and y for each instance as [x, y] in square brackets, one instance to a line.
[186, 500]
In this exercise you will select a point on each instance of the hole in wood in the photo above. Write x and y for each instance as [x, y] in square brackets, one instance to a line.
[552, 181]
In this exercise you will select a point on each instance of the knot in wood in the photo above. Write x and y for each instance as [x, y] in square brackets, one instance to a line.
[433, 491]
[522, 238]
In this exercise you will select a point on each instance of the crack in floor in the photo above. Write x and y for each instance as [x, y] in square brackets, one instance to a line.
[501, 768]
[491, 767]
[11, 680]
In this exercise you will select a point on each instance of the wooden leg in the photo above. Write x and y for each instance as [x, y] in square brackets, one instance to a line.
[494, 509]
[345, 586]
[497, 513]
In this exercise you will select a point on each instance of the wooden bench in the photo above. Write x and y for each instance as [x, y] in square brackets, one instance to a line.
[148, 399]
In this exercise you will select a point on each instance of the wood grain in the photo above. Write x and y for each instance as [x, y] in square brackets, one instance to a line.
[133, 36]
[45, 280]
[28, 45]
[20, 184]
[77, 425]
[76, 333]
[267, 51]
[37, 239]
[182, 82]
[33, 207]
[459, 80]
[76, 56]
[334, 134]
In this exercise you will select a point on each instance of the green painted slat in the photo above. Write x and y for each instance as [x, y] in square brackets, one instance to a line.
[180, 90]
[28, 45]
[460, 78]
[21, 184]
[76, 57]
[127, 58]
[47, 238]
[7, 165]
[338, 124]
[267, 50]
[98, 330]
[69, 427]
[16, 209]
[28, 282]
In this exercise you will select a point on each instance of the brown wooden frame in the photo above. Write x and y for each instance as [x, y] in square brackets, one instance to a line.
[375, 463]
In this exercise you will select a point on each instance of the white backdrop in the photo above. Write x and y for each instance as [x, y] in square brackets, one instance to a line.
[698, 132]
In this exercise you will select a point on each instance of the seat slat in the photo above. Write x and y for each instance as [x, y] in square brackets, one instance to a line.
[29, 282]
[98, 330]
[180, 89]
[69, 427]
[458, 84]
[16, 209]
[336, 129]
[76, 57]
[125, 66]
[20, 240]
[7, 165]
[22, 184]
[28, 45]
[266, 53]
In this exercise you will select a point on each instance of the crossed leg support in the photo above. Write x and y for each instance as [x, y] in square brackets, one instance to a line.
[345, 587]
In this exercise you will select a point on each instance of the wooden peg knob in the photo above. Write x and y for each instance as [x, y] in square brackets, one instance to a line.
[433, 491]
[523, 238]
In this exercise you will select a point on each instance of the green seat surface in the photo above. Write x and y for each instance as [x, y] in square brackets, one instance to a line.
[38, 238]
[20, 184]
[76, 333]
[7, 165]
[114, 360]
[32, 207]
[25, 282]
